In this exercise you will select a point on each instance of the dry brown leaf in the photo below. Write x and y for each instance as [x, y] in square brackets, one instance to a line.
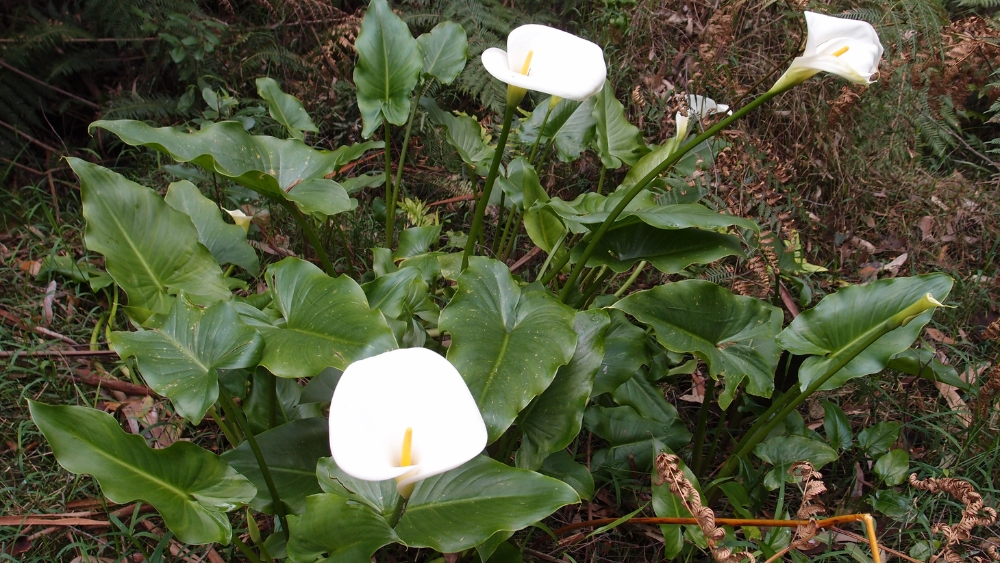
[31, 266]
[50, 294]
[939, 336]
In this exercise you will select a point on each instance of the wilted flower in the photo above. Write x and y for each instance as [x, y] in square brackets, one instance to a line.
[703, 106]
[548, 60]
[405, 414]
[847, 48]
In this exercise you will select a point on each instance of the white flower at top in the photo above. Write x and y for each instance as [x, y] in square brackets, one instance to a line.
[703, 106]
[847, 48]
[548, 60]
[405, 414]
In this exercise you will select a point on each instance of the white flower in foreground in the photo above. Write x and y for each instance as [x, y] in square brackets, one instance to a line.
[405, 414]
[846, 48]
[548, 60]
[239, 218]
[703, 106]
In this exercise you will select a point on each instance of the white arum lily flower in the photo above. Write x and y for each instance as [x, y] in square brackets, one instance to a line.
[846, 48]
[405, 414]
[703, 106]
[239, 218]
[548, 60]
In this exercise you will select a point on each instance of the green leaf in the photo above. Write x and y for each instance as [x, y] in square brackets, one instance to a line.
[879, 438]
[320, 387]
[669, 250]
[285, 169]
[570, 126]
[923, 363]
[616, 140]
[463, 133]
[507, 344]
[553, 419]
[452, 512]
[544, 228]
[416, 241]
[190, 487]
[837, 427]
[561, 466]
[389, 64]
[734, 335]
[289, 407]
[489, 546]
[181, 354]
[624, 353]
[342, 530]
[445, 50]
[227, 242]
[78, 271]
[327, 322]
[683, 216]
[653, 159]
[893, 467]
[833, 329]
[523, 186]
[285, 108]
[667, 504]
[380, 496]
[291, 452]
[630, 436]
[894, 504]
[648, 401]
[151, 250]
[782, 452]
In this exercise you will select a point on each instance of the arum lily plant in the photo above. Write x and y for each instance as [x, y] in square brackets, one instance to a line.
[404, 414]
[546, 60]
[847, 48]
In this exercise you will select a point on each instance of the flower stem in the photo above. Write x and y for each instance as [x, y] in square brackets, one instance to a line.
[699, 434]
[484, 200]
[230, 436]
[406, 136]
[534, 149]
[600, 181]
[548, 259]
[631, 279]
[246, 550]
[390, 190]
[279, 508]
[650, 176]
[310, 234]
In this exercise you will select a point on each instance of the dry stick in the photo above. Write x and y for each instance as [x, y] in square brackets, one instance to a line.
[23, 74]
[29, 138]
[22, 167]
[463, 198]
[57, 353]
[860, 538]
[86, 377]
[525, 259]
[55, 199]
[15, 321]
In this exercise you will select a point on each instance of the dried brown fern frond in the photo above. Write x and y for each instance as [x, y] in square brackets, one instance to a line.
[992, 333]
[668, 471]
[812, 488]
[989, 390]
[757, 282]
[975, 514]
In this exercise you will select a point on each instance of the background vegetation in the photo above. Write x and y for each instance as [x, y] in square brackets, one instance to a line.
[900, 178]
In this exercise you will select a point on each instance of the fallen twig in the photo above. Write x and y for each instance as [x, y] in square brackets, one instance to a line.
[16, 321]
[56, 353]
[525, 259]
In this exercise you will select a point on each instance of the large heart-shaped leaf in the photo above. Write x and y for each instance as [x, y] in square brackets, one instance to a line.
[561, 466]
[152, 251]
[227, 242]
[523, 186]
[278, 168]
[782, 452]
[262, 415]
[181, 354]
[190, 487]
[389, 64]
[327, 322]
[570, 125]
[669, 250]
[445, 50]
[463, 133]
[553, 419]
[682, 216]
[630, 436]
[507, 344]
[833, 329]
[285, 108]
[734, 335]
[461, 508]
[335, 526]
[616, 140]
[648, 401]
[291, 452]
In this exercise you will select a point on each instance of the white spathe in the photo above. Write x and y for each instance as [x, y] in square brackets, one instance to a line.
[703, 106]
[377, 399]
[239, 218]
[561, 63]
[847, 48]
